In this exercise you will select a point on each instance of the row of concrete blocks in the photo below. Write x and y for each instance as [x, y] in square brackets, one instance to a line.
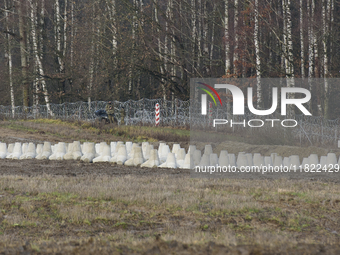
[131, 154]
[274, 160]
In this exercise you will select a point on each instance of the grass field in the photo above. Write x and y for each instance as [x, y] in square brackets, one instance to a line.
[169, 212]
[134, 211]
[88, 131]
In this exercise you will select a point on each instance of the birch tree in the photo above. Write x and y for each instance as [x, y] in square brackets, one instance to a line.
[133, 32]
[302, 41]
[23, 54]
[315, 44]
[10, 63]
[61, 38]
[72, 41]
[62, 69]
[236, 23]
[326, 6]
[91, 68]
[161, 66]
[193, 30]
[172, 53]
[288, 49]
[228, 63]
[113, 19]
[212, 42]
[36, 55]
[310, 36]
[58, 35]
[227, 39]
[199, 34]
[257, 54]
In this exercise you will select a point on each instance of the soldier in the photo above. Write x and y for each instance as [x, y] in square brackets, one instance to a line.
[110, 111]
[122, 115]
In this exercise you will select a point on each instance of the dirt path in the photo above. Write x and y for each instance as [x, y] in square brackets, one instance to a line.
[10, 136]
[33, 167]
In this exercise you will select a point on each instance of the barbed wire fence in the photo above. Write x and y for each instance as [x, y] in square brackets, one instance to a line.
[173, 113]
[177, 113]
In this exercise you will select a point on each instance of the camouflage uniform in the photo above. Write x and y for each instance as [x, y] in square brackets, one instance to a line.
[110, 111]
[122, 116]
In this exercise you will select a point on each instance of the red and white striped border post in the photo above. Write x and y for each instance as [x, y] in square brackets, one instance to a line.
[157, 113]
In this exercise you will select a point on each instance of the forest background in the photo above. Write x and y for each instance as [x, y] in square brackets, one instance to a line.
[56, 51]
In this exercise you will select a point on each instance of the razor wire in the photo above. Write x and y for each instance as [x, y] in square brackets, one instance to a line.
[173, 113]
[177, 113]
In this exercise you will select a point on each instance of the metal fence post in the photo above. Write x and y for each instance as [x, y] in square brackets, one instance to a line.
[64, 110]
[143, 112]
[175, 111]
[79, 113]
[336, 136]
[300, 132]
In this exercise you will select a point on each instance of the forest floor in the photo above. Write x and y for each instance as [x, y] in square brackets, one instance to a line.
[70, 207]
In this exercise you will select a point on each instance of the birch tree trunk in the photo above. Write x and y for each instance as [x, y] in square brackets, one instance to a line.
[10, 63]
[284, 34]
[172, 54]
[159, 48]
[41, 48]
[227, 39]
[289, 43]
[236, 21]
[72, 33]
[288, 51]
[331, 27]
[112, 13]
[315, 46]
[193, 31]
[65, 38]
[71, 42]
[37, 57]
[310, 36]
[257, 53]
[326, 6]
[228, 63]
[58, 35]
[23, 55]
[205, 38]
[133, 27]
[199, 34]
[91, 68]
[302, 41]
[166, 53]
[212, 42]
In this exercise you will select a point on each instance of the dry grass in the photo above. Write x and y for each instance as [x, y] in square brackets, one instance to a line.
[133, 210]
[97, 132]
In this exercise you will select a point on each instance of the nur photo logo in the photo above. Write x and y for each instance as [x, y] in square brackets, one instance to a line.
[204, 99]
[288, 97]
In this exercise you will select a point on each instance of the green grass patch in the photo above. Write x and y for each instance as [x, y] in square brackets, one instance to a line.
[94, 130]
